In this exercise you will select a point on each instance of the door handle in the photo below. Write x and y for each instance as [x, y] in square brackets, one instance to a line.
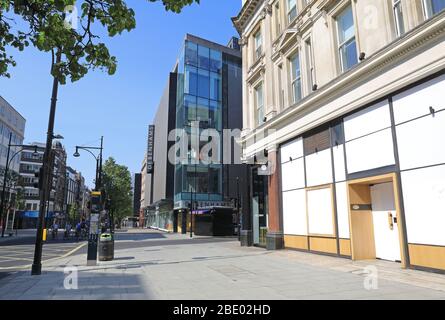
[390, 221]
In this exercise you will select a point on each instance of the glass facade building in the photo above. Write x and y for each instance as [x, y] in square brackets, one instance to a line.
[202, 98]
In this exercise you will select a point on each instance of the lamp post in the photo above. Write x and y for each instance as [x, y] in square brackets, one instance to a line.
[37, 263]
[238, 209]
[93, 237]
[5, 176]
[98, 158]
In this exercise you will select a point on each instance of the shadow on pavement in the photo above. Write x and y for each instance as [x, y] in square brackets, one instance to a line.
[134, 236]
[173, 242]
[61, 285]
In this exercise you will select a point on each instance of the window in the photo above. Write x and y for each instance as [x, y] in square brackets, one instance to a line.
[203, 83]
[258, 45]
[203, 57]
[215, 61]
[259, 102]
[432, 7]
[296, 78]
[191, 80]
[346, 38]
[291, 10]
[310, 64]
[215, 86]
[398, 17]
[191, 53]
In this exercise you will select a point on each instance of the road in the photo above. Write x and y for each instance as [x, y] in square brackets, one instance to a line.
[17, 252]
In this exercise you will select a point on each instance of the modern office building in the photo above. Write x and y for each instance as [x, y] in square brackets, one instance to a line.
[350, 94]
[12, 124]
[30, 164]
[203, 93]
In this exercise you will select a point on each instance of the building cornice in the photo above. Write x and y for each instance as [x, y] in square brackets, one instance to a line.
[246, 13]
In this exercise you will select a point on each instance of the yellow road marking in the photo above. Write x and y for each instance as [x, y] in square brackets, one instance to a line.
[49, 260]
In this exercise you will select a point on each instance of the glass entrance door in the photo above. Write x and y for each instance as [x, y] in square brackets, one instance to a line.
[259, 208]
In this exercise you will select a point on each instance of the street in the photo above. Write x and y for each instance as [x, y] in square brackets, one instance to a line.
[17, 252]
[154, 265]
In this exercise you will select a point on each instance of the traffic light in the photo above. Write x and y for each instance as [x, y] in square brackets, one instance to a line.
[39, 175]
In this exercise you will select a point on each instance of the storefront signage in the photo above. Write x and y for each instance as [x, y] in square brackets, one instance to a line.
[150, 149]
[203, 204]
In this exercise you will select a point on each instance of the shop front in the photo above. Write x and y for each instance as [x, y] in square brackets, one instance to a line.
[370, 184]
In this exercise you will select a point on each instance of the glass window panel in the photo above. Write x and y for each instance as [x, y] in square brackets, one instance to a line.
[215, 115]
[258, 45]
[191, 53]
[191, 80]
[202, 112]
[398, 16]
[190, 109]
[259, 104]
[337, 134]
[203, 57]
[291, 9]
[346, 25]
[349, 55]
[203, 83]
[296, 78]
[438, 5]
[215, 86]
[215, 180]
[215, 61]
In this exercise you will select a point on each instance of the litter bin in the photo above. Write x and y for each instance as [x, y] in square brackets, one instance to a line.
[106, 247]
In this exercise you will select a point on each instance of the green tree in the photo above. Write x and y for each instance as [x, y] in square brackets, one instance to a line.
[117, 186]
[44, 24]
[73, 213]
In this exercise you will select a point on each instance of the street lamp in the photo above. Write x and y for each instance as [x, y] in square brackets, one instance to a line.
[5, 176]
[92, 239]
[98, 158]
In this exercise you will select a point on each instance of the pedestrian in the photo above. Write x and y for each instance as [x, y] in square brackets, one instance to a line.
[67, 230]
[78, 230]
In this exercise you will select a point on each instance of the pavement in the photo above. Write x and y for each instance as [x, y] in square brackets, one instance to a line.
[153, 265]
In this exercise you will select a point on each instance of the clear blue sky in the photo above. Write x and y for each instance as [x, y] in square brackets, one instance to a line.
[118, 107]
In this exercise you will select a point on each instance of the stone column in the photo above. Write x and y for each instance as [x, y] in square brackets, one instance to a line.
[275, 236]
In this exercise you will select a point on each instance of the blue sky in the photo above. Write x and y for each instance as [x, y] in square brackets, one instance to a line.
[118, 107]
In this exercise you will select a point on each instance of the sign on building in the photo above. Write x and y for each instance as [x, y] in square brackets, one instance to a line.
[150, 149]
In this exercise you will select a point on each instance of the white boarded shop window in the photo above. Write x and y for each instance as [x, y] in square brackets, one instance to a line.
[419, 141]
[320, 213]
[294, 212]
[292, 150]
[424, 202]
[342, 210]
[292, 174]
[417, 101]
[370, 152]
[319, 168]
[367, 121]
